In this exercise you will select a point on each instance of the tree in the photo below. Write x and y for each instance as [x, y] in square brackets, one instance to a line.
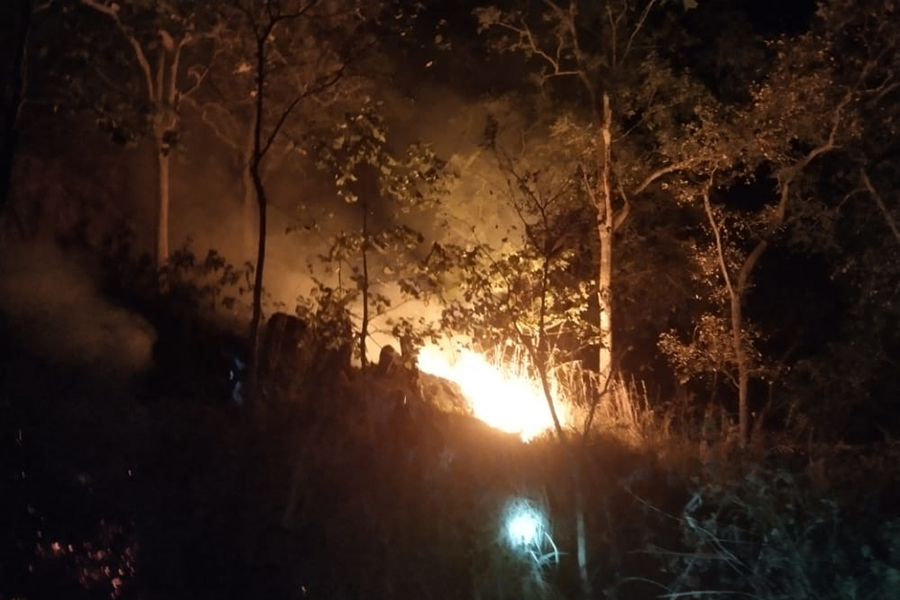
[625, 118]
[388, 188]
[533, 289]
[809, 108]
[624, 113]
[230, 119]
[317, 46]
[227, 105]
[853, 225]
[159, 36]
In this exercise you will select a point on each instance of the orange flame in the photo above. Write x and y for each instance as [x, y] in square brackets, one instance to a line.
[503, 396]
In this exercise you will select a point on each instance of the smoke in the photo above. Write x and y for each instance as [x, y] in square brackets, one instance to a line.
[52, 305]
[474, 211]
[47, 296]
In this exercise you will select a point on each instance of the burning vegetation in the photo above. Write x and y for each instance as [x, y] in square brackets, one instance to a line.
[505, 395]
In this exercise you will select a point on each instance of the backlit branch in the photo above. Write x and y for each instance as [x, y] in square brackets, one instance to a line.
[643, 185]
[112, 11]
[321, 85]
[787, 175]
[881, 205]
[638, 26]
[717, 233]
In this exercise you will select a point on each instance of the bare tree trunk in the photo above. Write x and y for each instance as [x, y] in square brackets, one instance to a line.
[247, 189]
[162, 207]
[736, 290]
[541, 360]
[364, 325]
[737, 327]
[605, 223]
[261, 202]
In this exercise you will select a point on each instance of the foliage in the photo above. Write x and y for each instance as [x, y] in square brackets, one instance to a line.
[207, 285]
[766, 534]
[389, 190]
[328, 312]
[709, 351]
[124, 95]
[532, 288]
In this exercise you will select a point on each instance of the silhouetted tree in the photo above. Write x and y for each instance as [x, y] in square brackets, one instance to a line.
[289, 69]
[388, 187]
[160, 37]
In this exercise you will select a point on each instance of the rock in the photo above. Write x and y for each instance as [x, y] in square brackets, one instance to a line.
[388, 361]
[443, 394]
[295, 354]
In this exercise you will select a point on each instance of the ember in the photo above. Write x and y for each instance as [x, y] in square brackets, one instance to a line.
[504, 396]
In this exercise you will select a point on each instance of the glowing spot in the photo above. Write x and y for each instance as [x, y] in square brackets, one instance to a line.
[523, 529]
[503, 396]
[527, 531]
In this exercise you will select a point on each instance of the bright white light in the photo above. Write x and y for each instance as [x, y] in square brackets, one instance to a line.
[503, 396]
[523, 529]
[527, 531]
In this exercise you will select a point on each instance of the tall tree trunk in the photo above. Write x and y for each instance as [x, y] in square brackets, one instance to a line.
[605, 226]
[262, 204]
[737, 293]
[18, 25]
[737, 327]
[364, 326]
[574, 451]
[161, 87]
[736, 288]
[247, 190]
[162, 206]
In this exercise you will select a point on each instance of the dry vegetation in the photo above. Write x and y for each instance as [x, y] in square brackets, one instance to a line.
[337, 489]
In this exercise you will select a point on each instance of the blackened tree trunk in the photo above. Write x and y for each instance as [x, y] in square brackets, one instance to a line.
[262, 205]
[364, 283]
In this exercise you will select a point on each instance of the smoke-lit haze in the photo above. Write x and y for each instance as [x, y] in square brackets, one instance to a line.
[207, 199]
[53, 306]
[207, 203]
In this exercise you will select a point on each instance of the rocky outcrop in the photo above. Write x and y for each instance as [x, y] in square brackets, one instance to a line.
[296, 355]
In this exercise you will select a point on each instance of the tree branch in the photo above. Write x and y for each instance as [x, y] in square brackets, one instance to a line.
[172, 92]
[720, 251]
[659, 173]
[637, 28]
[322, 84]
[160, 77]
[888, 217]
[215, 124]
[750, 264]
[624, 212]
[786, 176]
[112, 12]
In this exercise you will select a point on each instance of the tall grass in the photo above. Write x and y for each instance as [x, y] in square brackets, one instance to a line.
[618, 408]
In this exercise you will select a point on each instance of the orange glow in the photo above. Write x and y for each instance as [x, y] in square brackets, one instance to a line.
[503, 396]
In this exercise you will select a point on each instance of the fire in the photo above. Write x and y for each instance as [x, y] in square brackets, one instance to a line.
[504, 397]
